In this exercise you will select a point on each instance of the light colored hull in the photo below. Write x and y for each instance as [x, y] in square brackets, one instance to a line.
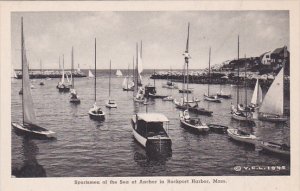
[96, 116]
[272, 118]
[196, 128]
[232, 133]
[111, 105]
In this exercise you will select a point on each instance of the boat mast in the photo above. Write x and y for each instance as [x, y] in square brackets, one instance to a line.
[22, 61]
[41, 66]
[133, 76]
[245, 83]
[238, 82]
[109, 78]
[127, 76]
[187, 64]
[137, 66]
[209, 71]
[154, 78]
[72, 69]
[95, 70]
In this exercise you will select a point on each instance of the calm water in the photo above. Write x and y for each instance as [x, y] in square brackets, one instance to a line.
[88, 148]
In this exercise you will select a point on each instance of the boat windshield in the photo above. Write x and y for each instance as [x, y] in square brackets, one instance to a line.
[151, 129]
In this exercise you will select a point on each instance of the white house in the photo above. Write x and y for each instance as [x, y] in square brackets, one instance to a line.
[266, 58]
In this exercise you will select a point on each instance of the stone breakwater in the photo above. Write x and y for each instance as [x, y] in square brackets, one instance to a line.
[219, 78]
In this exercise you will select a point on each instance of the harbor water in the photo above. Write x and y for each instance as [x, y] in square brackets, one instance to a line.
[87, 148]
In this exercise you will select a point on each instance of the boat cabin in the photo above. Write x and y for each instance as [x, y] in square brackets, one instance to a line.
[149, 89]
[151, 124]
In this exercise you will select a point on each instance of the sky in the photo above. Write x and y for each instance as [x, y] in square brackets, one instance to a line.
[49, 35]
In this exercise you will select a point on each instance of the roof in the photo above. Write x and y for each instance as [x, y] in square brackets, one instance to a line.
[152, 117]
[277, 50]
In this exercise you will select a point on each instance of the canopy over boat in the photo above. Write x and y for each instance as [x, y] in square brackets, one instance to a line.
[273, 101]
[152, 117]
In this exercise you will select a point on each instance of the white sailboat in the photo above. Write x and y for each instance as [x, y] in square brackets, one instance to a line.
[110, 102]
[62, 86]
[91, 75]
[119, 73]
[74, 98]
[208, 97]
[139, 92]
[96, 112]
[127, 84]
[256, 99]
[272, 108]
[29, 126]
[14, 74]
[140, 66]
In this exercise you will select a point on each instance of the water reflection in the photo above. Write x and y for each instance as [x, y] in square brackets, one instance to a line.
[146, 158]
[30, 167]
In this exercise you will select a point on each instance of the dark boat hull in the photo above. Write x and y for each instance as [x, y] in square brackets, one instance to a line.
[37, 133]
[217, 128]
[76, 101]
[200, 111]
[224, 96]
[131, 89]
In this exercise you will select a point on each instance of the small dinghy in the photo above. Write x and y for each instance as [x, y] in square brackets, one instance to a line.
[212, 98]
[74, 98]
[168, 98]
[200, 110]
[188, 91]
[275, 148]
[42, 83]
[96, 113]
[223, 95]
[216, 128]
[148, 130]
[192, 124]
[242, 136]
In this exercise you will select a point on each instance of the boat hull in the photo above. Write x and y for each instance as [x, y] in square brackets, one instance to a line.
[200, 111]
[72, 100]
[109, 105]
[215, 100]
[129, 89]
[224, 96]
[97, 117]
[274, 148]
[185, 91]
[217, 128]
[232, 133]
[272, 118]
[193, 128]
[40, 133]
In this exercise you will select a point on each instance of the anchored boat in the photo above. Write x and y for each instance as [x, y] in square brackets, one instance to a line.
[29, 126]
[74, 96]
[148, 130]
[96, 112]
[272, 108]
[242, 136]
[110, 103]
[275, 148]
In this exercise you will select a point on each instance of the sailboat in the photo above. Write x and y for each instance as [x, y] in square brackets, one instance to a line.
[208, 97]
[13, 74]
[74, 98]
[62, 87]
[29, 126]
[42, 72]
[139, 66]
[110, 103]
[96, 112]
[119, 73]
[193, 124]
[150, 91]
[256, 96]
[170, 84]
[139, 92]
[127, 84]
[240, 112]
[91, 75]
[272, 107]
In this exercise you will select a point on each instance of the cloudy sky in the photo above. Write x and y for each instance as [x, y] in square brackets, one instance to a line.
[51, 34]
